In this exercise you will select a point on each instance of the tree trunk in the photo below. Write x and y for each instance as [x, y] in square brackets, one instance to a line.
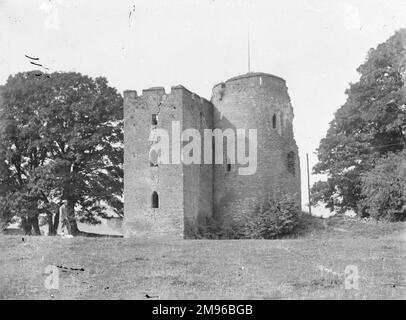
[30, 225]
[68, 195]
[35, 225]
[53, 221]
[26, 225]
[50, 224]
[56, 221]
[74, 230]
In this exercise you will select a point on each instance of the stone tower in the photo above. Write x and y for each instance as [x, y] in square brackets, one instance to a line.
[172, 200]
[164, 200]
[255, 101]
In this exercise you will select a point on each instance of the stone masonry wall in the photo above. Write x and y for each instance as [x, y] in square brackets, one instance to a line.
[197, 178]
[181, 208]
[249, 102]
[141, 180]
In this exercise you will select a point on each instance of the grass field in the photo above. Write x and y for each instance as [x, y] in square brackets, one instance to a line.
[312, 266]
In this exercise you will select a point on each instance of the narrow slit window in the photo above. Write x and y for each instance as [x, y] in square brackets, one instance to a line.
[155, 200]
[228, 167]
[274, 121]
[154, 120]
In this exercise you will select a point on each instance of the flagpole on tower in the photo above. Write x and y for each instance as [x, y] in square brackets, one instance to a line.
[249, 49]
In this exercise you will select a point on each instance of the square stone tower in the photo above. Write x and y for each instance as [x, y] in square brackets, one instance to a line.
[164, 200]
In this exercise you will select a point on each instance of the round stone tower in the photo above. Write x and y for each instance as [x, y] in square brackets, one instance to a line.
[255, 101]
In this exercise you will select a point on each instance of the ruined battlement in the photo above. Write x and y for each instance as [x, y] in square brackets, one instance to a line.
[130, 94]
[158, 94]
[261, 83]
[249, 76]
[256, 75]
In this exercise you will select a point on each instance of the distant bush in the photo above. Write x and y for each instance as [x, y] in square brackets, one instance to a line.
[278, 217]
[384, 189]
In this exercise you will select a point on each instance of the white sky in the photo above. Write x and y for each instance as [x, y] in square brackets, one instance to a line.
[316, 45]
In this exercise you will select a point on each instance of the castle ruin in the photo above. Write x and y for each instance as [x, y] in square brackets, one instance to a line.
[170, 201]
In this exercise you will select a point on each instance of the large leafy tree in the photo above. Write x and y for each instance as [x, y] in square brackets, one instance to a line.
[384, 188]
[61, 138]
[370, 124]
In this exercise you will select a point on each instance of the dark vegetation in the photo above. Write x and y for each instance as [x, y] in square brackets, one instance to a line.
[362, 153]
[61, 138]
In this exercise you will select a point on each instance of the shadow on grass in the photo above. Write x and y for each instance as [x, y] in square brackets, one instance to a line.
[96, 235]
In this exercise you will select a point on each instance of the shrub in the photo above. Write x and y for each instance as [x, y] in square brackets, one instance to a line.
[278, 217]
[218, 229]
[384, 189]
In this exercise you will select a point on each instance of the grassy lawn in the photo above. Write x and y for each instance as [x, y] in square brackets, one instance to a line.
[310, 267]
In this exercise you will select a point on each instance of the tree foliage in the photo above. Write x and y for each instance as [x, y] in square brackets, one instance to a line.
[61, 138]
[384, 188]
[371, 123]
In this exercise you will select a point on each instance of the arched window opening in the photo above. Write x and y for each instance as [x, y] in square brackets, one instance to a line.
[154, 120]
[155, 200]
[228, 167]
[153, 158]
[274, 121]
[291, 162]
